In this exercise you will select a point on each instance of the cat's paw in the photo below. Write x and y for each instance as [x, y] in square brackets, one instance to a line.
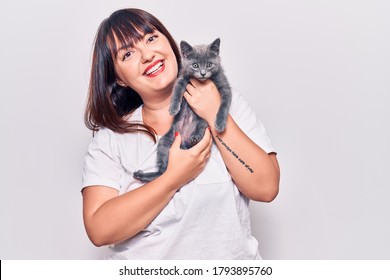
[220, 126]
[138, 175]
[193, 141]
[173, 110]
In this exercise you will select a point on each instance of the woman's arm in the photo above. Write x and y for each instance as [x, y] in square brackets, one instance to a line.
[255, 172]
[110, 218]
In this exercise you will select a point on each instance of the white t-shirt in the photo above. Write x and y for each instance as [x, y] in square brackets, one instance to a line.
[208, 218]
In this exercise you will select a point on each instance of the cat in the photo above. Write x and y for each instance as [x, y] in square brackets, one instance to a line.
[201, 62]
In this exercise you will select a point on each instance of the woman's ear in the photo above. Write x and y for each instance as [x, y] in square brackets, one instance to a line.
[121, 83]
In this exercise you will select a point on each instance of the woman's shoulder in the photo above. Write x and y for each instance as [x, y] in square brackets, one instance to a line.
[103, 139]
[105, 132]
[238, 102]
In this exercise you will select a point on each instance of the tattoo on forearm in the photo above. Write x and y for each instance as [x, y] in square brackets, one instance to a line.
[235, 155]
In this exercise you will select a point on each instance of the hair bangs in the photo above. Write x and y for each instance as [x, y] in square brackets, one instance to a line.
[126, 31]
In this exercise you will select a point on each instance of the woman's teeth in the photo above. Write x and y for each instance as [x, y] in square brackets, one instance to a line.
[155, 68]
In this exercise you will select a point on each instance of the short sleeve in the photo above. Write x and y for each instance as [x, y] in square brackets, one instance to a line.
[249, 122]
[102, 164]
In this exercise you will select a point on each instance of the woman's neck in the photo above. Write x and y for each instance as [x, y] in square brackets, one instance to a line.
[156, 115]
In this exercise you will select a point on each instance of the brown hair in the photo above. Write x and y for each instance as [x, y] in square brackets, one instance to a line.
[107, 101]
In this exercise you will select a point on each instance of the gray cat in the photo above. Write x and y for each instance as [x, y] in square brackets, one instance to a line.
[201, 62]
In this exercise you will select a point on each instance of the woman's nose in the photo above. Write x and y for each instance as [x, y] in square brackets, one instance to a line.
[147, 55]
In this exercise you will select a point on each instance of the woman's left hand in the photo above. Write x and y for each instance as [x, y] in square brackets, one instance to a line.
[204, 98]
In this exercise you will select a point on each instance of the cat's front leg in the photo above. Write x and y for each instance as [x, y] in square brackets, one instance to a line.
[223, 111]
[177, 96]
[220, 122]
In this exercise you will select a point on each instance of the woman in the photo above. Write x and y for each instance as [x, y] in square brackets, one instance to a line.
[198, 209]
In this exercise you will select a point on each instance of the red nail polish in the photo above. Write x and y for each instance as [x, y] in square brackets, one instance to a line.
[176, 133]
[208, 128]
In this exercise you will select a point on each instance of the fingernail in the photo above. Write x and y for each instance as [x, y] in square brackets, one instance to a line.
[208, 128]
[176, 133]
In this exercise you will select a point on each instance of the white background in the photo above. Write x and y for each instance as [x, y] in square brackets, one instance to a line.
[316, 72]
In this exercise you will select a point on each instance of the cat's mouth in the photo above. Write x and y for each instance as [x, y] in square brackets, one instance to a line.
[155, 68]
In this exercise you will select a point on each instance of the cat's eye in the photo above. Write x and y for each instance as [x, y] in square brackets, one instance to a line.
[195, 65]
[209, 65]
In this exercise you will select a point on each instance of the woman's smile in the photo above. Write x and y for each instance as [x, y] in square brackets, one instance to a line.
[149, 66]
[155, 68]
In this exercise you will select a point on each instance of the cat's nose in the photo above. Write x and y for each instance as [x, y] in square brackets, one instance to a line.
[203, 73]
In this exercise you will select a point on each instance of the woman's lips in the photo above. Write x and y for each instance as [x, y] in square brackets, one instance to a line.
[155, 68]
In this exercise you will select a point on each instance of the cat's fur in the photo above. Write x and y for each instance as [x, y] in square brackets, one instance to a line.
[201, 62]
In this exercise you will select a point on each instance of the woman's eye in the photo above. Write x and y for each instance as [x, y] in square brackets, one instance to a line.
[209, 65]
[152, 38]
[195, 65]
[127, 55]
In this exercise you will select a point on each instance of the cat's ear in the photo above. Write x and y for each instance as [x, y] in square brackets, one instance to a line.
[214, 46]
[185, 48]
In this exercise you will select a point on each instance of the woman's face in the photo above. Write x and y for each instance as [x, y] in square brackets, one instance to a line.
[149, 67]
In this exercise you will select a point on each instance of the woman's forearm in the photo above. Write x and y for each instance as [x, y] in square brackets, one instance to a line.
[110, 218]
[255, 172]
[121, 217]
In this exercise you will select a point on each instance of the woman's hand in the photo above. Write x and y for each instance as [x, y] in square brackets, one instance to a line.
[204, 98]
[185, 165]
[140, 206]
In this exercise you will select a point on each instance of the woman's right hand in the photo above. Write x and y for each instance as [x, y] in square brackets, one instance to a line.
[139, 207]
[185, 165]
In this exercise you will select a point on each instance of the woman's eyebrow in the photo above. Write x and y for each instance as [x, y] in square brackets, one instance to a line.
[131, 44]
[123, 47]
